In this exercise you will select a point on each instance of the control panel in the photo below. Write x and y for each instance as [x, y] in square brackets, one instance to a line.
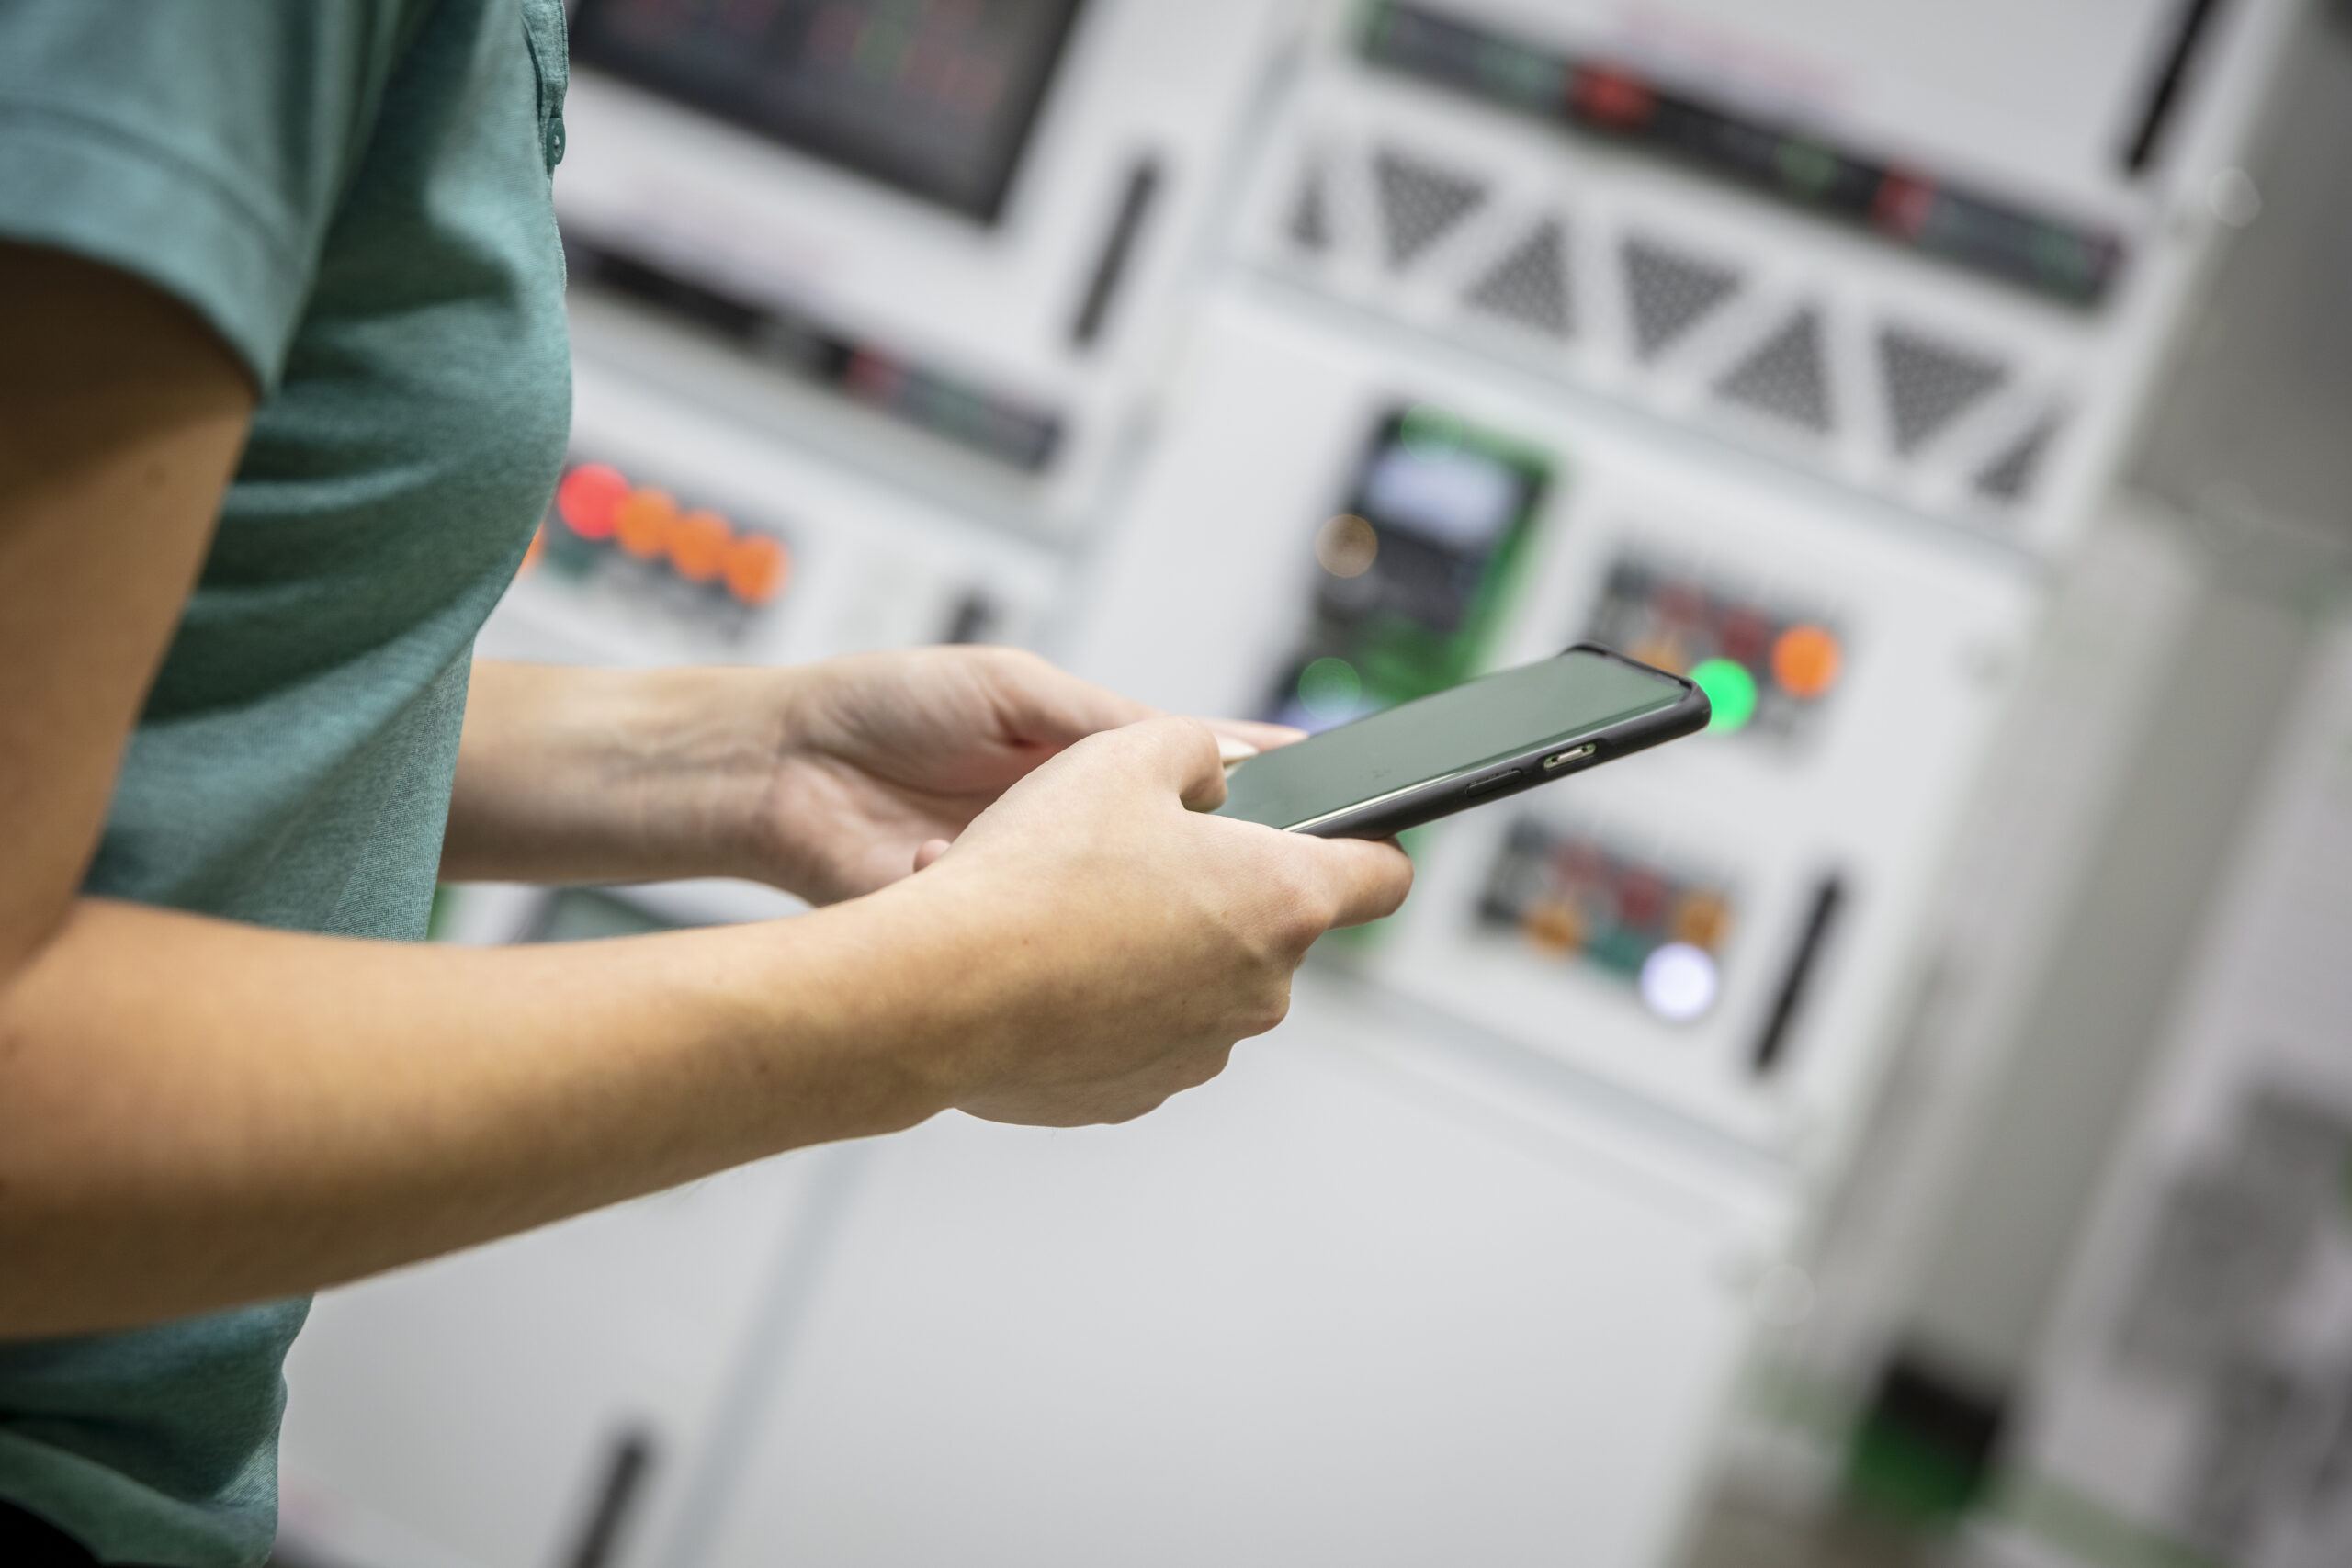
[1291, 361]
[956, 229]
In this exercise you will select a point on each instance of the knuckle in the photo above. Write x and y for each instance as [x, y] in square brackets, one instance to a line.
[1302, 913]
[1018, 662]
[1268, 1008]
[1130, 1109]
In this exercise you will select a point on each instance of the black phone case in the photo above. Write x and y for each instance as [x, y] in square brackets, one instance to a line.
[1490, 782]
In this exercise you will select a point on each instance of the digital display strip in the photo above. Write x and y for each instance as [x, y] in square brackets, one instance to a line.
[1987, 235]
[936, 98]
[946, 405]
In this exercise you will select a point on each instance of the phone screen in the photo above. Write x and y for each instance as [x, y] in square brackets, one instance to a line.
[1457, 730]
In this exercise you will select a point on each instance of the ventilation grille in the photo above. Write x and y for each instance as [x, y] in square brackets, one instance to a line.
[1530, 285]
[1431, 236]
[1420, 202]
[2009, 476]
[1785, 376]
[1668, 292]
[1929, 384]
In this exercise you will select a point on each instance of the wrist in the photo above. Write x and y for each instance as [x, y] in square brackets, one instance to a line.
[916, 993]
[602, 775]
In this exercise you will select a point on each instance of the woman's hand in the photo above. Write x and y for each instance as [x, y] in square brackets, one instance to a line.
[1095, 941]
[887, 758]
[195, 1113]
[828, 779]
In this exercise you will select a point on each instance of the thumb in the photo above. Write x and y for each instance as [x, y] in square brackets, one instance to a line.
[1364, 879]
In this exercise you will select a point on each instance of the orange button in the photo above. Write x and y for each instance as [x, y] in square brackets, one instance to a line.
[698, 544]
[757, 567]
[1804, 662]
[586, 498]
[641, 522]
[539, 547]
[1556, 926]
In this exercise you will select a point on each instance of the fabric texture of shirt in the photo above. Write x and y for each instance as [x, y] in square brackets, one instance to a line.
[356, 197]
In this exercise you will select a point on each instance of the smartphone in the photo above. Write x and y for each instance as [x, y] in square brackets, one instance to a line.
[1467, 745]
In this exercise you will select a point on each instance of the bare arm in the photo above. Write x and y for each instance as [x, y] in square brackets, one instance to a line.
[195, 1113]
[827, 780]
[120, 418]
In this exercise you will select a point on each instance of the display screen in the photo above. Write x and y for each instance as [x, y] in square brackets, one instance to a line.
[933, 96]
[1413, 568]
[1483, 721]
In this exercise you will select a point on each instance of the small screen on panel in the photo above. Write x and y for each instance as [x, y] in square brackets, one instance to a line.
[932, 96]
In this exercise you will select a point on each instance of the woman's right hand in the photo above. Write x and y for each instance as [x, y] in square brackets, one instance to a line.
[1106, 942]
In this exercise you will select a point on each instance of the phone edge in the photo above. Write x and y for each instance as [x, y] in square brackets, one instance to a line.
[1444, 797]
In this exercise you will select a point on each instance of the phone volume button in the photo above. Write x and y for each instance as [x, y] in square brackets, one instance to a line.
[1495, 784]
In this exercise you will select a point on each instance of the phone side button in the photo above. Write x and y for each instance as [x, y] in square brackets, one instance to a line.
[1496, 784]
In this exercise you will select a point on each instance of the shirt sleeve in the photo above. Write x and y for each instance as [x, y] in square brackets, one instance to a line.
[200, 145]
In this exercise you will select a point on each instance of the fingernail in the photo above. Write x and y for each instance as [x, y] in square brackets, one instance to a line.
[1230, 750]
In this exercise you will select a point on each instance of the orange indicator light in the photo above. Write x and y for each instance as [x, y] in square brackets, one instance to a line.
[1346, 546]
[1805, 660]
[756, 567]
[641, 522]
[587, 498]
[697, 544]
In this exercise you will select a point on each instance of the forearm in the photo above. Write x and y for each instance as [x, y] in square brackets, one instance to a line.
[195, 1113]
[569, 774]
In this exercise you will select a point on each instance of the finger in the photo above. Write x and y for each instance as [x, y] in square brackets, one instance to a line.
[1366, 879]
[1179, 754]
[1040, 704]
[1257, 737]
[929, 850]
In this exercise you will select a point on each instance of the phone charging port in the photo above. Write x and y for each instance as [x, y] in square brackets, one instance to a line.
[1573, 754]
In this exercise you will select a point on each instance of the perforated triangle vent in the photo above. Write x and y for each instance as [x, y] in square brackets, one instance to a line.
[1420, 202]
[2008, 476]
[1785, 376]
[1929, 384]
[1670, 291]
[1530, 285]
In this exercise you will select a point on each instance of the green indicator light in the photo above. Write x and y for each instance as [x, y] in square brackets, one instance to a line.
[1731, 692]
[1330, 689]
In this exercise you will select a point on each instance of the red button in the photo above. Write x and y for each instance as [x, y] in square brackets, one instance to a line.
[586, 498]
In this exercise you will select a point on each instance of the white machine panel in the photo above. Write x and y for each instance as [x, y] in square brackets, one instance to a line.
[1330, 1309]
[2195, 1391]
[1797, 309]
[529, 1402]
[854, 564]
[1457, 1264]
[935, 310]
[1194, 607]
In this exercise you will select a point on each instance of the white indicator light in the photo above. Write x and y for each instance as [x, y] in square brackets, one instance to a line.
[1679, 982]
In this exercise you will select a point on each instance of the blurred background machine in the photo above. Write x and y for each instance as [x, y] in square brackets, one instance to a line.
[1291, 360]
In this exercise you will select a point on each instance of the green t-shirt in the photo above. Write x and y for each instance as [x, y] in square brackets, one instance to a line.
[356, 196]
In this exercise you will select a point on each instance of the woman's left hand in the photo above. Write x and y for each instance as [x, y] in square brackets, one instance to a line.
[827, 780]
